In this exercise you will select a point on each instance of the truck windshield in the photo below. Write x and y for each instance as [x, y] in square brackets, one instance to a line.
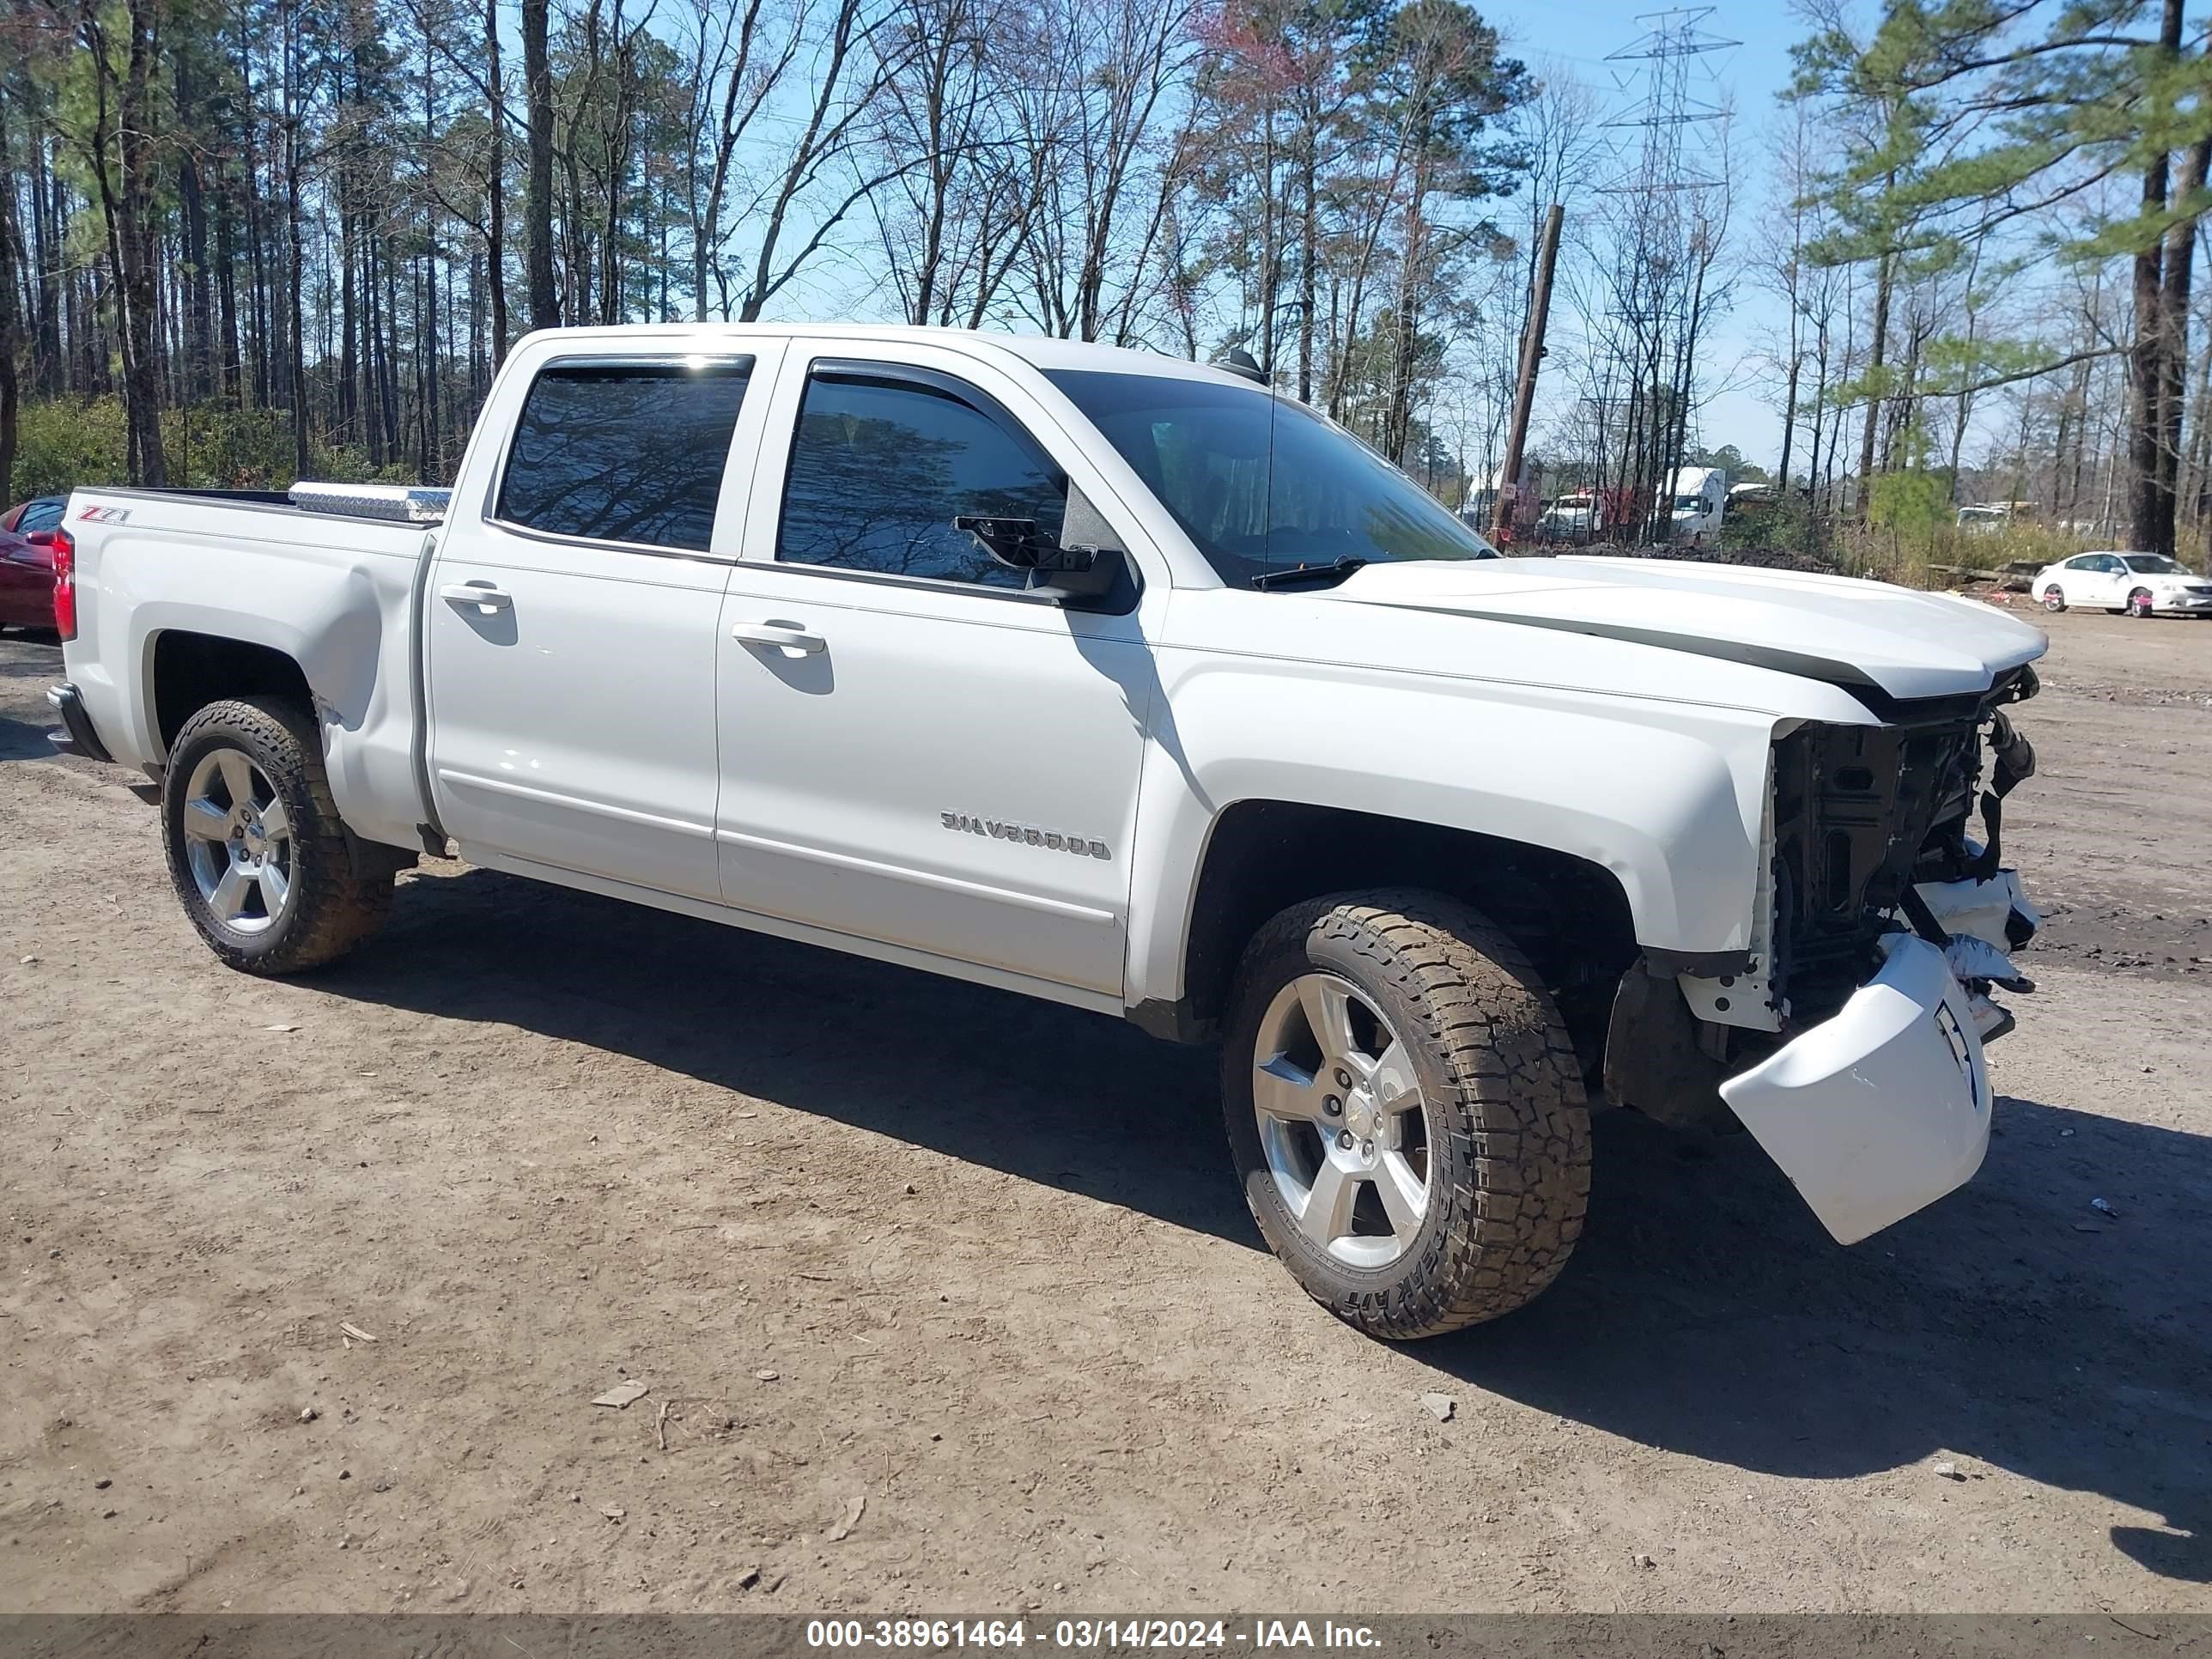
[1259, 483]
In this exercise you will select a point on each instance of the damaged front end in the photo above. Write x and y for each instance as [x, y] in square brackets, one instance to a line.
[1871, 834]
[1848, 1038]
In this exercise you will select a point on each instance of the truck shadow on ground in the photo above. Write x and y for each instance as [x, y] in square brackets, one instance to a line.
[1705, 1313]
[2011, 1325]
[20, 740]
[27, 668]
[1047, 1093]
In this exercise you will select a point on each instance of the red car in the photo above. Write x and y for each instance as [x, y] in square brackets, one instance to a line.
[27, 563]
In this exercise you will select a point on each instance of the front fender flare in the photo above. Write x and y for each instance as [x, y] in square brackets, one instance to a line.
[1666, 796]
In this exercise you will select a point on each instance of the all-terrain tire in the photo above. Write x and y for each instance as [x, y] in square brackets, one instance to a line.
[1507, 1124]
[331, 906]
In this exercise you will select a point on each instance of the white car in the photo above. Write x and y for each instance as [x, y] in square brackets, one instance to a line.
[1571, 519]
[1121, 682]
[2140, 584]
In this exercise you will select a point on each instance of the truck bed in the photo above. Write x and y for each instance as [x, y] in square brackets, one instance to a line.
[334, 592]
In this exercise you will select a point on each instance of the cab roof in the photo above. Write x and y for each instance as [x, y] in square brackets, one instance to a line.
[1038, 350]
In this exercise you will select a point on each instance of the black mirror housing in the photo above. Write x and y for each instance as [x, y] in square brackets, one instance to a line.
[1024, 544]
[1084, 567]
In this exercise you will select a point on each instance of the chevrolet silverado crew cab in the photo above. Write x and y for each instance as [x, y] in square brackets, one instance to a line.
[1128, 683]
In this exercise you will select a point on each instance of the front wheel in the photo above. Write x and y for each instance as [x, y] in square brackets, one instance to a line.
[2139, 603]
[2054, 598]
[1405, 1111]
[256, 852]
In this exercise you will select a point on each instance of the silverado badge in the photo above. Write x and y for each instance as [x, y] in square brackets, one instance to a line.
[1028, 834]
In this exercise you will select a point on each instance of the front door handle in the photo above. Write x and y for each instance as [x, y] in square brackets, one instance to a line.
[789, 636]
[483, 595]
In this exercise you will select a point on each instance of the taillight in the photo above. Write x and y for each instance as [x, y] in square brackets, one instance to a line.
[65, 584]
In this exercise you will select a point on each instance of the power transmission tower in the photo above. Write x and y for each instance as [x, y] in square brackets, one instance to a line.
[1659, 295]
[1665, 105]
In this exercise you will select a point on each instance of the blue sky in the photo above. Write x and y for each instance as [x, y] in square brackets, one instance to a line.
[1569, 36]
[1576, 35]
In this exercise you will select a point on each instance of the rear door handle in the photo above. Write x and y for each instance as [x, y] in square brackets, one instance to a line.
[483, 595]
[788, 636]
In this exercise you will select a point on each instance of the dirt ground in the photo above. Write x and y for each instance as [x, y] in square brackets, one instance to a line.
[947, 1301]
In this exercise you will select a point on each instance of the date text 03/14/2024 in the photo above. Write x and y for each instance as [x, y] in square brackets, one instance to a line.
[1080, 1634]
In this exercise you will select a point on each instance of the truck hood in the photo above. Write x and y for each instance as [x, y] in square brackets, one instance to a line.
[1865, 636]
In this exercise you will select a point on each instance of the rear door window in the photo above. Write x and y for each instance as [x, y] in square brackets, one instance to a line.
[624, 452]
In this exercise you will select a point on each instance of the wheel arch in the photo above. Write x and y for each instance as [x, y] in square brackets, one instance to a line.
[1568, 915]
[187, 670]
[320, 639]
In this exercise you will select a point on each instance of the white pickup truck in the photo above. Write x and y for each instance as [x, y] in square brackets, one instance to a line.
[1128, 683]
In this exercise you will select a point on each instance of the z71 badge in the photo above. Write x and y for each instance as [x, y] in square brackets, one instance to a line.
[1028, 834]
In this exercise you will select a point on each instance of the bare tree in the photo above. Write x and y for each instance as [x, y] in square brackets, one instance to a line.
[11, 321]
[1785, 272]
[951, 225]
[120, 147]
[1103, 72]
[848, 72]
[739, 54]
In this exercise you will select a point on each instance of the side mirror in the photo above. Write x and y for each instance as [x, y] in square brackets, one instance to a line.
[1024, 544]
[40, 537]
[1084, 567]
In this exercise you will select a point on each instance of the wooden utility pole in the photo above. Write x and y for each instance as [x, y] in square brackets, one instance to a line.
[538, 101]
[1532, 356]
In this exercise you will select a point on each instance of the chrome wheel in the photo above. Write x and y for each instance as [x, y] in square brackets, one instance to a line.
[1342, 1122]
[238, 841]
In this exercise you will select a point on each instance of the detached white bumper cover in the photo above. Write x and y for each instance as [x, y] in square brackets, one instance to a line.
[1882, 1109]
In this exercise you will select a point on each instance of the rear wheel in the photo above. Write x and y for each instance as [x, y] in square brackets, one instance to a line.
[2054, 598]
[1404, 1112]
[256, 852]
[2139, 603]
